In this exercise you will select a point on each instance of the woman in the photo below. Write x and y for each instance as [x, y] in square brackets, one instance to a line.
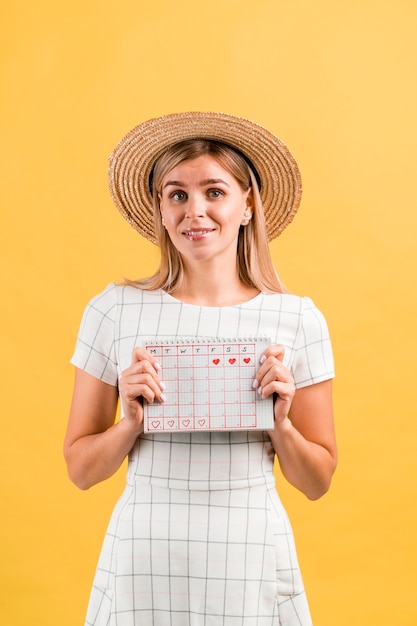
[199, 535]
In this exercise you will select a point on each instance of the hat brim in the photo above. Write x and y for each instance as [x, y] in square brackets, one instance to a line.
[133, 159]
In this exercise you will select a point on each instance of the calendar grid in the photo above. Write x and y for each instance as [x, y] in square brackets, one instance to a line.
[208, 386]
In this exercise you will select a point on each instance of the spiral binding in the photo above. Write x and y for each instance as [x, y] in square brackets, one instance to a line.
[186, 340]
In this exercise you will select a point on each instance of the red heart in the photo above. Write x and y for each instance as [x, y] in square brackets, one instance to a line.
[170, 423]
[201, 422]
[216, 361]
[186, 423]
[231, 361]
[156, 423]
[247, 360]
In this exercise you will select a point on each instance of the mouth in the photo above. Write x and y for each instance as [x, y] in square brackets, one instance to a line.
[197, 233]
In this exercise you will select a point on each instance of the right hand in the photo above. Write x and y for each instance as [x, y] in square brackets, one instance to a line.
[140, 380]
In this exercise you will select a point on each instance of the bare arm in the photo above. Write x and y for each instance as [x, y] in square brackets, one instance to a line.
[303, 436]
[95, 446]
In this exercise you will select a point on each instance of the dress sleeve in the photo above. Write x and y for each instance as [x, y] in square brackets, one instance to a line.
[313, 362]
[95, 348]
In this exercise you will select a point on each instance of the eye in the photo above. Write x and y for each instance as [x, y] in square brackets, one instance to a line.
[178, 196]
[215, 193]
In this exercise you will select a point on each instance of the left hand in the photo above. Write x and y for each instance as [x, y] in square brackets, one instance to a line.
[273, 377]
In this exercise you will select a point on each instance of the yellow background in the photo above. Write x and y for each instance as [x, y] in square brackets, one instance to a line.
[337, 81]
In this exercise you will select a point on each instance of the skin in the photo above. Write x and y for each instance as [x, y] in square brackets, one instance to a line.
[203, 207]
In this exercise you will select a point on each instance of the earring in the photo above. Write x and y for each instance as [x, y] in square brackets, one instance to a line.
[247, 215]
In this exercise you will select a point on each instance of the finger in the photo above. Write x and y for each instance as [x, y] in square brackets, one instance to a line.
[270, 365]
[269, 358]
[137, 393]
[276, 350]
[272, 377]
[140, 379]
[285, 390]
[145, 380]
[144, 366]
[146, 392]
[141, 354]
[274, 370]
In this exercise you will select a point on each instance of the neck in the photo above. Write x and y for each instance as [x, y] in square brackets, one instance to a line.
[213, 288]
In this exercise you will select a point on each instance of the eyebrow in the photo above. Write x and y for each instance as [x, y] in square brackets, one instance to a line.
[203, 183]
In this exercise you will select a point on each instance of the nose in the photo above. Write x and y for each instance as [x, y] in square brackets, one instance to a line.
[195, 206]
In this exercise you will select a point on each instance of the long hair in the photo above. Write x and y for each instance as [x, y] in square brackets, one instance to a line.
[254, 263]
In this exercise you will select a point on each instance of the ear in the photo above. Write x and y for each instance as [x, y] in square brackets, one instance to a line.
[159, 198]
[248, 212]
[249, 201]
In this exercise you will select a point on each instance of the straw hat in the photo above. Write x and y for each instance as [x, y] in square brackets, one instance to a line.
[133, 159]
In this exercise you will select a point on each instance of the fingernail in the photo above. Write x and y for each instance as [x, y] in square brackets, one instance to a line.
[162, 386]
[262, 359]
[255, 384]
[157, 366]
[260, 390]
[162, 397]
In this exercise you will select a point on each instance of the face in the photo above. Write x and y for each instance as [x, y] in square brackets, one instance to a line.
[203, 207]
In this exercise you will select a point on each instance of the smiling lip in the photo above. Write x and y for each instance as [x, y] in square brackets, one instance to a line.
[197, 233]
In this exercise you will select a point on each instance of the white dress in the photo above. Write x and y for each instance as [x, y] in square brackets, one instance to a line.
[199, 535]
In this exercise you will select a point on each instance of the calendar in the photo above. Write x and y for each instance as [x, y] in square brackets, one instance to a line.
[208, 386]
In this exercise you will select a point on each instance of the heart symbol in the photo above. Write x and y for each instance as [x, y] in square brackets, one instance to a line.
[170, 423]
[231, 361]
[246, 360]
[201, 422]
[216, 361]
[186, 423]
[156, 423]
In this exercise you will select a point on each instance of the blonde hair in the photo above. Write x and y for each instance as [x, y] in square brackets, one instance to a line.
[254, 263]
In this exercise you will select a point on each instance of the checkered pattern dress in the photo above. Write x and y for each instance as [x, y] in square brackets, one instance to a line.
[199, 535]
